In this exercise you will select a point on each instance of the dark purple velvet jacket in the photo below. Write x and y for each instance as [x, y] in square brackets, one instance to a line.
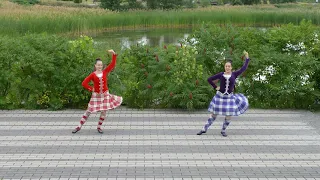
[232, 79]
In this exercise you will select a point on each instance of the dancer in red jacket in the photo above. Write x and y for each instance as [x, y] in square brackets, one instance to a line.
[100, 100]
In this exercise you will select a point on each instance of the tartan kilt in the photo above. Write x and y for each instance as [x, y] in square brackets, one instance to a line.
[103, 102]
[228, 105]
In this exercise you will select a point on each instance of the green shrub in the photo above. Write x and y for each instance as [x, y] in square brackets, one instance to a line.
[237, 2]
[26, 2]
[113, 5]
[41, 71]
[77, 1]
[44, 71]
[165, 77]
[205, 3]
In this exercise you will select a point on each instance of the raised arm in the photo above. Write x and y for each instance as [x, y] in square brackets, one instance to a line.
[113, 62]
[85, 82]
[245, 65]
[212, 78]
[243, 68]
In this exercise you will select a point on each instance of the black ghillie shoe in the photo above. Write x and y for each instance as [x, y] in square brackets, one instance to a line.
[224, 134]
[201, 132]
[100, 131]
[76, 130]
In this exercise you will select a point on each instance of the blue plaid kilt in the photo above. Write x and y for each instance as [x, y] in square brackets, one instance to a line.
[228, 105]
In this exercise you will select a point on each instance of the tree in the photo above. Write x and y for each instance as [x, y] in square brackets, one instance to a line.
[164, 4]
[169, 4]
[204, 3]
[152, 4]
[132, 3]
[113, 5]
[188, 3]
[250, 2]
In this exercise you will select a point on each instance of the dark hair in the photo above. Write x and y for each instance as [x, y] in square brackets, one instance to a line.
[229, 61]
[98, 59]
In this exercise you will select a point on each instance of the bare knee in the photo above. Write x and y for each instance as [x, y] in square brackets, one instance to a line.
[103, 114]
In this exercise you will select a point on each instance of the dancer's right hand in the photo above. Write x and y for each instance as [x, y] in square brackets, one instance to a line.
[218, 88]
[246, 54]
[111, 51]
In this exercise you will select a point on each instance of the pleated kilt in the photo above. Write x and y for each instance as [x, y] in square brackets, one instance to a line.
[103, 102]
[228, 105]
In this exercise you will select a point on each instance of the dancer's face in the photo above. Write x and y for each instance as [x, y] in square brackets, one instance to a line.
[228, 67]
[99, 65]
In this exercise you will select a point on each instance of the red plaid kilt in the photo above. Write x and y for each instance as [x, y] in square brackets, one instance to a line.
[103, 102]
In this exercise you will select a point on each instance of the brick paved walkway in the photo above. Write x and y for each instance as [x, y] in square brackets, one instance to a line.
[159, 144]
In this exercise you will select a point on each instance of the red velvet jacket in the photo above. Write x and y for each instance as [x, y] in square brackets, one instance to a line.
[100, 84]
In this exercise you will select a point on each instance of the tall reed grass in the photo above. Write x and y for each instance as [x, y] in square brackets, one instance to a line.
[16, 19]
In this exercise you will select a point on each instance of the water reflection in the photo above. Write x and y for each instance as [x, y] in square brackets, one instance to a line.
[125, 39]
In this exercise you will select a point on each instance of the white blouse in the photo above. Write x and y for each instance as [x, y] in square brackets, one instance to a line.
[99, 75]
[227, 76]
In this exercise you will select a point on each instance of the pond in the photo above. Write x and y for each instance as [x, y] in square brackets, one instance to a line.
[153, 37]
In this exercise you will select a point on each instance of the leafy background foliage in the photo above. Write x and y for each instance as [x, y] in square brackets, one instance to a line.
[46, 71]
